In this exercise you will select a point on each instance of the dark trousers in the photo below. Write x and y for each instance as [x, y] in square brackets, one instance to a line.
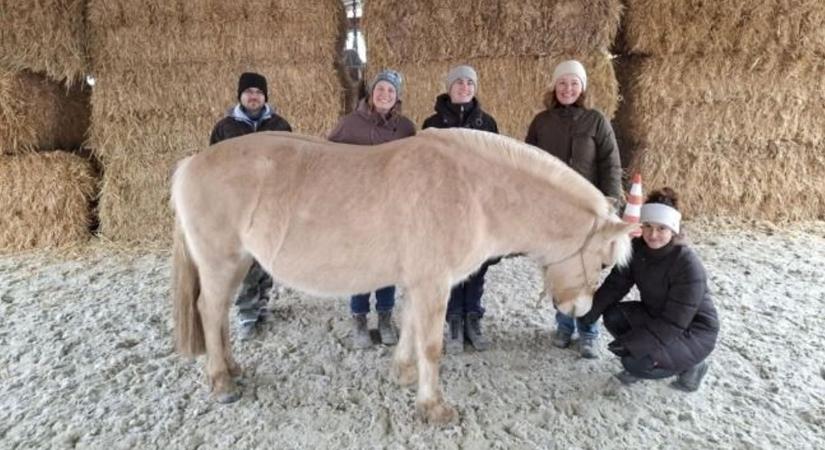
[617, 324]
[465, 297]
[384, 301]
[253, 294]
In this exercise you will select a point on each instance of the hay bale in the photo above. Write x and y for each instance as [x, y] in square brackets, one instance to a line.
[37, 113]
[189, 59]
[756, 28]
[510, 89]
[45, 200]
[44, 36]
[723, 99]
[779, 182]
[445, 30]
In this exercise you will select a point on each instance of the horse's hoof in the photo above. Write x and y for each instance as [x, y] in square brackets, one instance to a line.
[439, 413]
[228, 397]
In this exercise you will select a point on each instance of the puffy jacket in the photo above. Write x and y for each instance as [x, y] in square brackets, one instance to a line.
[367, 127]
[451, 115]
[675, 323]
[584, 139]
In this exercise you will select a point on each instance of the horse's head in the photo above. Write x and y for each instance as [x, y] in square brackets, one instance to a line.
[572, 280]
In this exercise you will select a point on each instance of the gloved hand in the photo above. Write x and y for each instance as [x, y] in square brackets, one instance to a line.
[618, 349]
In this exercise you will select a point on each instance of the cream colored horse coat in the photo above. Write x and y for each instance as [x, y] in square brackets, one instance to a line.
[337, 219]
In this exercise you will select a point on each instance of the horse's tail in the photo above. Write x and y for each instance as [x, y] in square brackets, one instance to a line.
[186, 287]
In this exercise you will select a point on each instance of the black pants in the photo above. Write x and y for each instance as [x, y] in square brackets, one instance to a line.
[617, 324]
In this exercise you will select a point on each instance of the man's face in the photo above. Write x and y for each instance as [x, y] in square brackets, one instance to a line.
[462, 90]
[252, 99]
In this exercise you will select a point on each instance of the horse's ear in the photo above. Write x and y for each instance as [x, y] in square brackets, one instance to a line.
[619, 228]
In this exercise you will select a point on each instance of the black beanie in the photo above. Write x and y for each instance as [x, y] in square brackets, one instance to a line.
[252, 79]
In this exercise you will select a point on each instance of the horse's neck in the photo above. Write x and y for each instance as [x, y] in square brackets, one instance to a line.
[525, 217]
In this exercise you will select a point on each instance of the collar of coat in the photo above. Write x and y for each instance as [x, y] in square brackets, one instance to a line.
[452, 114]
[375, 117]
[239, 114]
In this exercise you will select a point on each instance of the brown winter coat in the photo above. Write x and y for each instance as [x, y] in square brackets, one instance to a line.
[367, 127]
[584, 139]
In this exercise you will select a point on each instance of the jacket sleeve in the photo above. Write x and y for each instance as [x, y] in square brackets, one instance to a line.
[337, 133]
[608, 160]
[532, 139]
[283, 125]
[686, 291]
[613, 289]
[428, 122]
[216, 135]
[493, 125]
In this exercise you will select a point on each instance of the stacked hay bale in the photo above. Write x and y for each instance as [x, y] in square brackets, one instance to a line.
[723, 101]
[45, 197]
[45, 200]
[166, 73]
[514, 46]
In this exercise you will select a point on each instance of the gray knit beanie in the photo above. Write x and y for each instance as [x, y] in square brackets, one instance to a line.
[461, 72]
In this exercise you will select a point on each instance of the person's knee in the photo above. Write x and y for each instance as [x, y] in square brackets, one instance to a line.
[615, 321]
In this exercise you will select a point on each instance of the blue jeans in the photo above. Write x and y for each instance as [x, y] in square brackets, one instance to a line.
[384, 301]
[568, 325]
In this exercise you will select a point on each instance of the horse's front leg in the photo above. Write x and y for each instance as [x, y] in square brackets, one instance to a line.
[404, 359]
[428, 304]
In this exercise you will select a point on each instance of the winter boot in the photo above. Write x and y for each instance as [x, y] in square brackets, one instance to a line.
[386, 328]
[360, 334]
[472, 328]
[246, 330]
[691, 379]
[454, 342]
[626, 377]
[561, 339]
[587, 347]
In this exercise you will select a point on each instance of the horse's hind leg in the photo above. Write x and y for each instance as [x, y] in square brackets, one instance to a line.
[428, 304]
[218, 284]
[404, 360]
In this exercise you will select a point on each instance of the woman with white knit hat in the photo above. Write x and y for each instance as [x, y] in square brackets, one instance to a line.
[582, 138]
[674, 327]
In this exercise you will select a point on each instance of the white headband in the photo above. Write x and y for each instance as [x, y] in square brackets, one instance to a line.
[661, 214]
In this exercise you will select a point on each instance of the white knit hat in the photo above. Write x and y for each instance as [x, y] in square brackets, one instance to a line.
[661, 214]
[461, 72]
[570, 67]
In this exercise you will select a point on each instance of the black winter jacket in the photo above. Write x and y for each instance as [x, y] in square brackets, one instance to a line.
[235, 124]
[675, 323]
[450, 115]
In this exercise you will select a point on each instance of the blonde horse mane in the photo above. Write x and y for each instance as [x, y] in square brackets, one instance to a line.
[526, 158]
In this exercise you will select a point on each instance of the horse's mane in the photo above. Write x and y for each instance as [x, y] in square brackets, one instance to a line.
[524, 157]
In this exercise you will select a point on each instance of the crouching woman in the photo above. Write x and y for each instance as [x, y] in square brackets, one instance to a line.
[674, 327]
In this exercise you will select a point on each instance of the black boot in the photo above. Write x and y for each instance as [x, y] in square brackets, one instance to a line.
[472, 328]
[386, 328]
[360, 333]
[691, 379]
[454, 341]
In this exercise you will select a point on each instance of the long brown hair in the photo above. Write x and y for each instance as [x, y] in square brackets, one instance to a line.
[550, 101]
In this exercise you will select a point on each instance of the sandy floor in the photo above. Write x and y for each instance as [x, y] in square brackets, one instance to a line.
[87, 362]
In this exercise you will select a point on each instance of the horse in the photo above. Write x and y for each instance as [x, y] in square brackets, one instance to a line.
[422, 212]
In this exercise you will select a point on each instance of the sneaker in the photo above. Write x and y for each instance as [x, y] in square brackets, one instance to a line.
[561, 339]
[691, 379]
[386, 328]
[626, 378]
[587, 347]
[454, 341]
[472, 329]
[265, 315]
[360, 333]
[246, 330]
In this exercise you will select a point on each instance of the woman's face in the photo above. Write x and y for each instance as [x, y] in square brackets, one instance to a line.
[462, 90]
[568, 89]
[384, 96]
[656, 236]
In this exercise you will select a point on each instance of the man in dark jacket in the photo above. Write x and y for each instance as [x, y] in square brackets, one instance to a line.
[458, 107]
[251, 114]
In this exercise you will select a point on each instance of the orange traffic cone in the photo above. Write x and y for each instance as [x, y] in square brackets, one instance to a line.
[633, 209]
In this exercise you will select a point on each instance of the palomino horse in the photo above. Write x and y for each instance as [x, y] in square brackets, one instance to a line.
[333, 219]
